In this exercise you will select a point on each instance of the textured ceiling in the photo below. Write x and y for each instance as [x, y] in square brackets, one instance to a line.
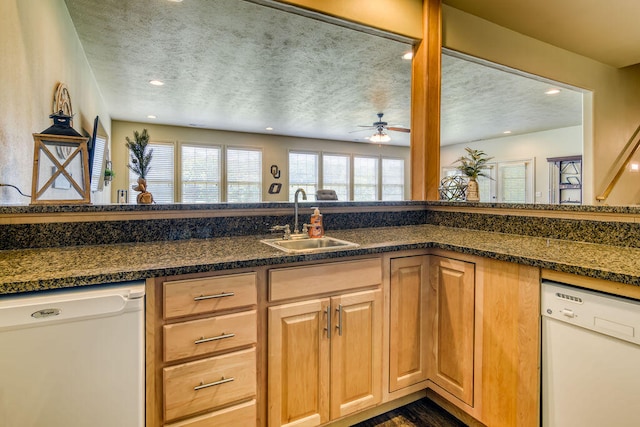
[236, 65]
[606, 31]
[482, 102]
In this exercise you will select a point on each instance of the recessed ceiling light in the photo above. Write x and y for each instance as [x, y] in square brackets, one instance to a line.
[156, 82]
[507, 132]
[634, 167]
[408, 56]
[175, 1]
[269, 128]
[151, 116]
[552, 92]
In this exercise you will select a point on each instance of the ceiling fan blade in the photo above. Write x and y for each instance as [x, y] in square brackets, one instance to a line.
[405, 130]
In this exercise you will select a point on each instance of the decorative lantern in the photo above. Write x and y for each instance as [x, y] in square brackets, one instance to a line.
[60, 165]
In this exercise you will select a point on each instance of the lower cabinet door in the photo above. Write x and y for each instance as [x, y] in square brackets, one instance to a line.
[408, 357]
[298, 363]
[451, 321]
[356, 352]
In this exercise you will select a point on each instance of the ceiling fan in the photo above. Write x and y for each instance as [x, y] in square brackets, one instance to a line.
[380, 128]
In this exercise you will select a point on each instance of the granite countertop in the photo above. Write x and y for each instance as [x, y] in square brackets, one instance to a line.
[51, 268]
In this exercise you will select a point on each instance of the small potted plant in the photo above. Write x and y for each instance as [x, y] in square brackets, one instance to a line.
[140, 163]
[472, 165]
[109, 174]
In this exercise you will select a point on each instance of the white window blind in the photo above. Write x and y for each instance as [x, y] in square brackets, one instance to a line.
[335, 174]
[96, 172]
[200, 172]
[160, 175]
[392, 179]
[303, 173]
[244, 175]
[365, 178]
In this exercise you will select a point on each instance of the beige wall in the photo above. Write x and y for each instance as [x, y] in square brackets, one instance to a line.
[275, 150]
[40, 49]
[616, 92]
[402, 17]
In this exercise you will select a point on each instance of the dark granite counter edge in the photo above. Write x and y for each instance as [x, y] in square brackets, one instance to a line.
[275, 260]
[47, 209]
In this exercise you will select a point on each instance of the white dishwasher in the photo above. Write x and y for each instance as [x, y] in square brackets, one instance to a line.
[73, 358]
[590, 358]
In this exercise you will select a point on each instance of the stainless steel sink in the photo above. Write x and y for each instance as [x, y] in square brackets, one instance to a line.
[309, 245]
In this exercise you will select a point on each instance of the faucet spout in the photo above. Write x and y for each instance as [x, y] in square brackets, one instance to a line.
[296, 228]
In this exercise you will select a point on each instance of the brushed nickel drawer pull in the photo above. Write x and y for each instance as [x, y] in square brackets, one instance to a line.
[339, 326]
[221, 295]
[219, 337]
[223, 380]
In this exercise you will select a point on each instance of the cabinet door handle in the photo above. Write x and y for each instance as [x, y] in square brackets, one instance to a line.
[223, 380]
[220, 295]
[339, 325]
[328, 328]
[219, 337]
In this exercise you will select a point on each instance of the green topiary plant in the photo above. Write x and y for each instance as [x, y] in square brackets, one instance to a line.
[474, 163]
[140, 157]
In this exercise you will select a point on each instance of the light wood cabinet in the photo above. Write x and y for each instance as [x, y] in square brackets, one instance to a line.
[485, 336]
[408, 332]
[356, 352]
[298, 363]
[509, 343]
[202, 363]
[451, 309]
[324, 354]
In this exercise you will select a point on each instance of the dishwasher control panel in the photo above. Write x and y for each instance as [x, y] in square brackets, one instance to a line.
[599, 312]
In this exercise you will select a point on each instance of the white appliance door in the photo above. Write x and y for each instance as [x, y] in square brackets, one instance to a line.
[588, 379]
[73, 358]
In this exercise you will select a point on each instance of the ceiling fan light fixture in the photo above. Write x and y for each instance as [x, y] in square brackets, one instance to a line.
[379, 137]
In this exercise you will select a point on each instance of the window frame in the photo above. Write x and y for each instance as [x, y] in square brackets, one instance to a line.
[225, 167]
[290, 186]
[179, 193]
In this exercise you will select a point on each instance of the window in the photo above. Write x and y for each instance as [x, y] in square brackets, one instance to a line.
[97, 177]
[392, 179]
[514, 182]
[200, 174]
[160, 175]
[365, 178]
[487, 184]
[244, 175]
[303, 173]
[335, 174]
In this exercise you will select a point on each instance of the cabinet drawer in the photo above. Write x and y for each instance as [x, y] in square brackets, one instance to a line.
[196, 296]
[199, 337]
[243, 414]
[205, 384]
[294, 282]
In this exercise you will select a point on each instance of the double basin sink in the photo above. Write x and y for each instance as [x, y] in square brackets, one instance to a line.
[308, 245]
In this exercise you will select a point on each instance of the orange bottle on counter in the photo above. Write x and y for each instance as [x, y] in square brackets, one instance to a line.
[316, 230]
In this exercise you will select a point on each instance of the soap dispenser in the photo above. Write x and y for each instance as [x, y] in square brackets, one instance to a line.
[316, 230]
